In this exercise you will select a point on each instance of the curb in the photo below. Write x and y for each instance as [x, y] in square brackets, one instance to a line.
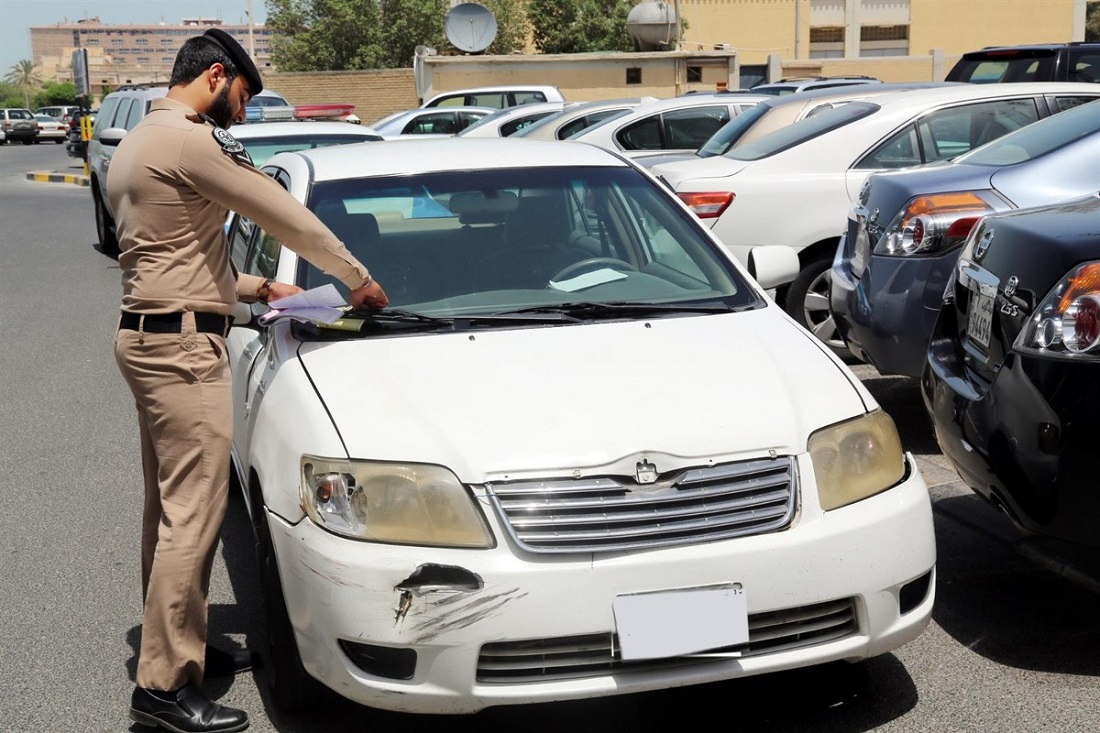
[48, 177]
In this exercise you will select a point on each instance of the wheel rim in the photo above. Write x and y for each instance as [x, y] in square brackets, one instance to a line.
[816, 313]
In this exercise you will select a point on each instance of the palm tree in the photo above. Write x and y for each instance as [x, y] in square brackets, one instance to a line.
[25, 78]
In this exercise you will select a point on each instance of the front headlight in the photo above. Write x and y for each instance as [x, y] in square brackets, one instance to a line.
[856, 459]
[402, 503]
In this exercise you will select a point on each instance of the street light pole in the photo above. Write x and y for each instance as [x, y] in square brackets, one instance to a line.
[251, 40]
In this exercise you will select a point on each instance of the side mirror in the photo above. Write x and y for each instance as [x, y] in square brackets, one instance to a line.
[112, 136]
[773, 265]
[242, 316]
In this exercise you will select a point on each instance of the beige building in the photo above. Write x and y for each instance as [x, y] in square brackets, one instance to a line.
[735, 43]
[130, 54]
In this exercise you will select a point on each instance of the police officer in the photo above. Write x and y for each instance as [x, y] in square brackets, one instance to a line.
[172, 182]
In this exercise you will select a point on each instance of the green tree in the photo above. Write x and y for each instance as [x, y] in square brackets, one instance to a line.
[511, 17]
[9, 95]
[1092, 21]
[578, 26]
[25, 78]
[408, 24]
[55, 93]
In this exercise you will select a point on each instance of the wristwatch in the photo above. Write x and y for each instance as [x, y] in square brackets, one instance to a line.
[264, 290]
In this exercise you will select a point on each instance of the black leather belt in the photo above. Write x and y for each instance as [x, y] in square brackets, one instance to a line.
[173, 322]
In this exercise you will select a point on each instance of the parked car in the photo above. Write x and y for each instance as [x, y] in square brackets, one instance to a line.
[795, 185]
[1012, 378]
[889, 271]
[550, 510]
[510, 120]
[444, 122]
[1075, 61]
[119, 112]
[778, 112]
[268, 106]
[75, 145]
[50, 128]
[810, 83]
[271, 138]
[63, 112]
[497, 97]
[18, 125]
[578, 116]
[680, 124]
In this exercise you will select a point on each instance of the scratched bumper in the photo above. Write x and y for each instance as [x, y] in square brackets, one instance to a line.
[342, 589]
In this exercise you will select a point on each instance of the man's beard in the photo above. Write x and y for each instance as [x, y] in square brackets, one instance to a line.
[219, 109]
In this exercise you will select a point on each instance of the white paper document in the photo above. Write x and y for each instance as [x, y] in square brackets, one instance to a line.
[322, 305]
[588, 280]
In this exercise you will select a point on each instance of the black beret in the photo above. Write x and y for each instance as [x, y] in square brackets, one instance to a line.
[240, 58]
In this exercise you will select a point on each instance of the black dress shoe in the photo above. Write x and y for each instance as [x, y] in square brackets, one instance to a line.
[186, 710]
[221, 663]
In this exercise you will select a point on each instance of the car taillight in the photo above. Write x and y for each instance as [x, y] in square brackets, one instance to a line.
[707, 205]
[931, 224]
[1067, 322]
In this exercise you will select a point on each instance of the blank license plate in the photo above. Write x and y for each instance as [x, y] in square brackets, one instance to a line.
[979, 320]
[673, 623]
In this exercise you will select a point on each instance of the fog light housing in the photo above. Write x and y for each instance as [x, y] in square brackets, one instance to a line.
[381, 661]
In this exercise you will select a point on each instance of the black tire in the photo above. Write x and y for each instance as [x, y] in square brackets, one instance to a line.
[29, 141]
[59, 141]
[104, 225]
[807, 301]
[292, 689]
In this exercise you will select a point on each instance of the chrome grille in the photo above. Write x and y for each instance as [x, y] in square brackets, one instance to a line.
[592, 655]
[605, 514]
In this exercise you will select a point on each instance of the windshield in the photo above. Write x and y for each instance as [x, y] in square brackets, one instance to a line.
[1039, 138]
[728, 135]
[489, 242]
[801, 131]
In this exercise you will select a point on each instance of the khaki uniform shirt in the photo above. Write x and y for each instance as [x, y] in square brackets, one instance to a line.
[171, 185]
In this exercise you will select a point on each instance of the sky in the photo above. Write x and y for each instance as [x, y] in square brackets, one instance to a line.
[17, 16]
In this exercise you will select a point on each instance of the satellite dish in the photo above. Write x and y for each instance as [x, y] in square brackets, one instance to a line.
[470, 27]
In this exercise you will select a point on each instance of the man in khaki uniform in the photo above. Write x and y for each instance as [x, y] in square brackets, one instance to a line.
[172, 182]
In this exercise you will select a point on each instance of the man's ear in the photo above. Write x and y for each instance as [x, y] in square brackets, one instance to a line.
[214, 74]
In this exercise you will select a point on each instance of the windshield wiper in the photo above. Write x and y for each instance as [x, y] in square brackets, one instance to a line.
[589, 309]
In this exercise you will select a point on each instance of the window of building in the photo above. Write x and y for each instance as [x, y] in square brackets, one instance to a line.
[827, 42]
[634, 75]
[694, 73]
[884, 40]
[116, 41]
[91, 42]
[141, 41]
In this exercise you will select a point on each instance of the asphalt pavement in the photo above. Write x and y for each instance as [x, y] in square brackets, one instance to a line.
[900, 396]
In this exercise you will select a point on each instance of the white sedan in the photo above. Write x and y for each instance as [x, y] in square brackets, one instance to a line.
[533, 477]
[265, 139]
[430, 121]
[794, 186]
[51, 128]
[681, 124]
[510, 120]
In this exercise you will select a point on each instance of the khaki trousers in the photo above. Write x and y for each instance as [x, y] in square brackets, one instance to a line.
[181, 385]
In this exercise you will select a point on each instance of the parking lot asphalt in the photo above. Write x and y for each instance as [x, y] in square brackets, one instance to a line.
[950, 497]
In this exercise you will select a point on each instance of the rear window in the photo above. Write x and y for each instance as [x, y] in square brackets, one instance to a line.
[997, 67]
[803, 130]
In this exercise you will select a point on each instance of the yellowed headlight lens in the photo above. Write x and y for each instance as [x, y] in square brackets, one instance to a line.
[856, 459]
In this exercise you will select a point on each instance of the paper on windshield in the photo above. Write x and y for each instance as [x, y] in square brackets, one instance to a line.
[321, 305]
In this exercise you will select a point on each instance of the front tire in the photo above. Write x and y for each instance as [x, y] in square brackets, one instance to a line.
[291, 687]
[104, 226]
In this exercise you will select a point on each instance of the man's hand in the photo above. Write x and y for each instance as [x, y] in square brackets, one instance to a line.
[370, 296]
[281, 290]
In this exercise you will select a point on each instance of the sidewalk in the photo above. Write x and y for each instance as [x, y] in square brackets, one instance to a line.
[73, 174]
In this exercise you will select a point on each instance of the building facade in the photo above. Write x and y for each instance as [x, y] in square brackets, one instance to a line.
[130, 54]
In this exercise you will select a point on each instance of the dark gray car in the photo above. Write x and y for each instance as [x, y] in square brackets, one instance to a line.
[905, 233]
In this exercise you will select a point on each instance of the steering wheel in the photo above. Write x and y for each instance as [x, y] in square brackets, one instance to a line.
[585, 264]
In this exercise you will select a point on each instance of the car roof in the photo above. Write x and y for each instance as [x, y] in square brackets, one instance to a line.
[391, 157]
[848, 91]
[963, 92]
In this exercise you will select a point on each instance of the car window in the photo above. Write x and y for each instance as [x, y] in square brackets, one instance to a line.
[106, 114]
[691, 128]
[727, 136]
[948, 133]
[1013, 69]
[262, 259]
[240, 234]
[466, 242]
[432, 123]
[137, 111]
[588, 122]
[465, 119]
[1037, 140]
[1084, 66]
[799, 132]
[512, 126]
[123, 111]
[1064, 103]
[489, 99]
[527, 97]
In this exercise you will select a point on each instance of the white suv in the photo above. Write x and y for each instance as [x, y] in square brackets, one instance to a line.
[120, 111]
[497, 97]
[805, 84]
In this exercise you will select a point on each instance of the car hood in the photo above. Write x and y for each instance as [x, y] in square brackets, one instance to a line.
[717, 166]
[562, 398]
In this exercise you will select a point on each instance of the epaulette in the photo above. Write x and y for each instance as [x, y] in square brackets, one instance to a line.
[230, 145]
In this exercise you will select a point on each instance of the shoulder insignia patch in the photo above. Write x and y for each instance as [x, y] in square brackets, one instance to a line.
[231, 145]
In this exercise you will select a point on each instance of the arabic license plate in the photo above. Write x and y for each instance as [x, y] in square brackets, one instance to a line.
[673, 623]
[979, 320]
